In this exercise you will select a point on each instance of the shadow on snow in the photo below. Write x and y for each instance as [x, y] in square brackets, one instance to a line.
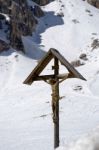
[48, 21]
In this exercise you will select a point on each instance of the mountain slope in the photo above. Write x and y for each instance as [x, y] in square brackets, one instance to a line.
[25, 122]
[76, 30]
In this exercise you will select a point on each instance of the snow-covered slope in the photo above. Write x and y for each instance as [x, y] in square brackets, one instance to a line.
[25, 111]
[88, 142]
[73, 33]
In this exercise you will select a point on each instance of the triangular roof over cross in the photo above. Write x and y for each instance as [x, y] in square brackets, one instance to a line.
[52, 53]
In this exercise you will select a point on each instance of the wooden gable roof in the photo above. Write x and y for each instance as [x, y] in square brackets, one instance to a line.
[45, 60]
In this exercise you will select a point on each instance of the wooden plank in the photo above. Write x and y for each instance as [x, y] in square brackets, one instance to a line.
[47, 77]
[39, 68]
[55, 103]
[70, 68]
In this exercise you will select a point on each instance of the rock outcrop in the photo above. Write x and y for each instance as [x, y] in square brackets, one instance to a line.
[3, 46]
[94, 3]
[41, 2]
[4, 6]
[37, 11]
[22, 23]
[22, 20]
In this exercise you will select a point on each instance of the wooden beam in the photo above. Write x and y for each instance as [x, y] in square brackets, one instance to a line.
[39, 68]
[64, 62]
[47, 77]
[55, 103]
[43, 77]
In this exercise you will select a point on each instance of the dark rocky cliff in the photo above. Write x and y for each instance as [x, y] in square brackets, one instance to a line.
[42, 2]
[22, 20]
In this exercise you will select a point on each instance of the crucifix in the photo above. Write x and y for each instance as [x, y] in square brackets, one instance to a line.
[53, 80]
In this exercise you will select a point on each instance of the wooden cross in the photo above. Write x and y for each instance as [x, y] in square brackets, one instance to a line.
[54, 81]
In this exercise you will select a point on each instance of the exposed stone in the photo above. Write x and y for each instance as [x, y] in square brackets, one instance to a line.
[37, 11]
[94, 3]
[97, 4]
[41, 2]
[83, 56]
[60, 14]
[3, 46]
[76, 63]
[22, 23]
[0, 24]
[95, 44]
[22, 20]
[75, 21]
[4, 6]
[78, 88]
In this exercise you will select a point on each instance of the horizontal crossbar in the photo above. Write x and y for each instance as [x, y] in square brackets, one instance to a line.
[47, 77]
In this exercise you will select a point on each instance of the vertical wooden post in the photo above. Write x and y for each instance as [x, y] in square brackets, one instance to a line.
[55, 104]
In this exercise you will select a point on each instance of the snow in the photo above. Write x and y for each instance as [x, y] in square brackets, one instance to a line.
[89, 142]
[37, 52]
[6, 16]
[25, 111]
[76, 36]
